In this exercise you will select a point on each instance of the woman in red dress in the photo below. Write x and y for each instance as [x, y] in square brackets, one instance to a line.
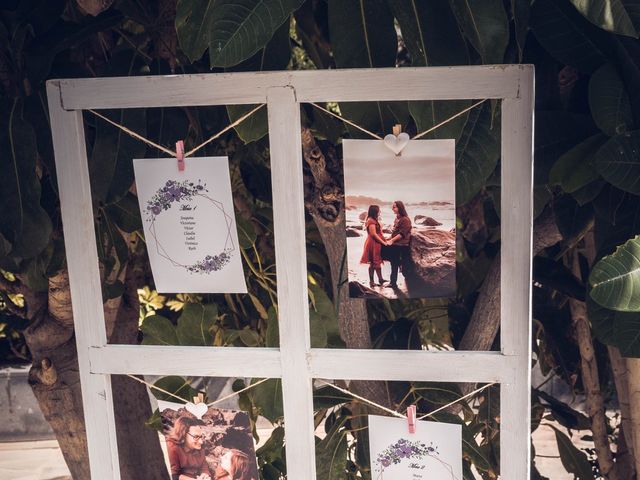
[184, 446]
[373, 245]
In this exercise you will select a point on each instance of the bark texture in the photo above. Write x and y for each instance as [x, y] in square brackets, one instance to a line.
[590, 379]
[55, 380]
[324, 199]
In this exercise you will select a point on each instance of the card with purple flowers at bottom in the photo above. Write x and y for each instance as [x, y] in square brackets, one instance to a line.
[433, 452]
[189, 225]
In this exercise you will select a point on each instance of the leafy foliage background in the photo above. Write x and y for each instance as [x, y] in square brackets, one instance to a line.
[587, 166]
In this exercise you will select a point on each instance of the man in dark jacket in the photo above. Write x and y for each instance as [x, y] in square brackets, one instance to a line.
[399, 241]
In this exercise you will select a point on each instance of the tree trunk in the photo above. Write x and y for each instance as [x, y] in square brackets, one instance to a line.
[55, 380]
[325, 203]
[633, 372]
[590, 378]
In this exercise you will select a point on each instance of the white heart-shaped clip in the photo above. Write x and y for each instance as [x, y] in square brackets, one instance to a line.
[396, 143]
[197, 409]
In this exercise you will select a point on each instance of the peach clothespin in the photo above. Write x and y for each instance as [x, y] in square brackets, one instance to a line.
[411, 418]
[180, 156]
[198, 399]
[397, 129]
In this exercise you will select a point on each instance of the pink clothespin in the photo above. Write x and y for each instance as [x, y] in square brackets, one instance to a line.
[411, 418]
[180, 155]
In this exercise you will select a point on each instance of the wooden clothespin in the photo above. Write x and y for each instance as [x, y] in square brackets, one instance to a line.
[411, 418]
[180, 155]
[198, 399]
[397, 129]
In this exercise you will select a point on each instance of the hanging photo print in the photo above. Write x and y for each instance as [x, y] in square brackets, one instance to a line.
[400, 218]
[189, 225]
[433, 452]
[208, 443]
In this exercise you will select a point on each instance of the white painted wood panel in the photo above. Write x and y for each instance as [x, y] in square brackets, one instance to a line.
[170, 360]
[84, 278]
[296, 362]
[515, 287]
[291, 270]
[382, 84]
[410, 365]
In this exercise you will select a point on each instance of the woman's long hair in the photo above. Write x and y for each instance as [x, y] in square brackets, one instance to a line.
[181, 427]
[402, 211]
[240, 466]
[374, 212]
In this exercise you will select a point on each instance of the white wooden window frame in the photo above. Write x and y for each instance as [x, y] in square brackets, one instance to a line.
[295, 362]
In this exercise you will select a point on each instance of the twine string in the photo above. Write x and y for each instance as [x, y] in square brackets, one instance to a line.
[419, 135]
[168, 151]
[400, 415]
[211, 404]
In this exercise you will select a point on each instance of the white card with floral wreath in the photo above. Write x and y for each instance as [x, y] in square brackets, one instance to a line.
[189, 225]
[433, 452]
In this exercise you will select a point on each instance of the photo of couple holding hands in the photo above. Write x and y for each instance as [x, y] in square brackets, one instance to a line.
[393, 248]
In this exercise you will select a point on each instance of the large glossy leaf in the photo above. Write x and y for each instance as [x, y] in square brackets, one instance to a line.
[25, 224]
[363, 36]
[431, 33]
[556, 132]
[619, 163]
[331, 454]
[111, 165]
[575, 169]
[609, 101]
[626, 332]
[477, 153]
[196, 323]
[267, 398]
[175, 385]
[126, 213]
[566, 35]
[486, 26]
[275, 56]
[610, 15]
[574, 461]
[617, 219]
[158, 330]
[615, 279]
[232, 30]
[521, 10]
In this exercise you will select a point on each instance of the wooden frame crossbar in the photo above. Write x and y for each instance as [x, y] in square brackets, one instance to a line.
[295, 361]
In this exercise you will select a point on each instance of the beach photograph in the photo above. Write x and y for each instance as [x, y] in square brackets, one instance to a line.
[400, 219]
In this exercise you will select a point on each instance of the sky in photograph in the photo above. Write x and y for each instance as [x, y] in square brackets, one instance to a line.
[425, 172]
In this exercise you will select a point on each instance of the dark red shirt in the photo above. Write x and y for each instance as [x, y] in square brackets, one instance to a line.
[402, 226]
[186, 462]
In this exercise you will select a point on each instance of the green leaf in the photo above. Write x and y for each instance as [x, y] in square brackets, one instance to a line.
[273, 332]
[572, 219]
[431, 33]
[574, 461]
[626, 332]
[158, 330]
[575, 169]
[232, 30]
[25, 224]
[486, 25]
[609, 101]
[267, 398]
[177, 386]
[363, 36]
[111, 165]
[274, 56]
[246, 234]
[615, 279]
[318, 332]
[196, 323]
[619, 163]
[609, 15]
[331, 454]
[567, 36]
[477, 153]
[126, 213]
[521, 10]
[556, 132]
